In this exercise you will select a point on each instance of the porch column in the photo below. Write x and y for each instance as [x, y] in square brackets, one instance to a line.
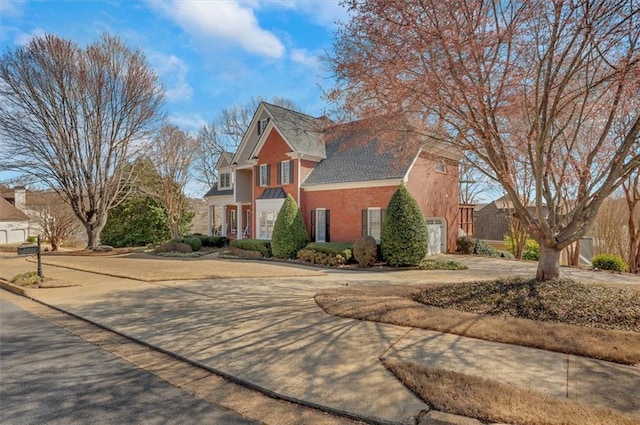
[240, 229]
[224, 221]
[210, 223]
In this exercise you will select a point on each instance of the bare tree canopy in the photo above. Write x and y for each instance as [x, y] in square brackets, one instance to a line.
[535, 88]
[224, 134]
[74, 117]
[171, 154]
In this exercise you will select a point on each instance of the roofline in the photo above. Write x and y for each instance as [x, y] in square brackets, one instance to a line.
[264, 136]
[353, 185]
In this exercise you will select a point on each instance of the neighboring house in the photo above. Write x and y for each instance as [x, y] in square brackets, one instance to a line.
[341, 176]
[14, 224]
[28, 206]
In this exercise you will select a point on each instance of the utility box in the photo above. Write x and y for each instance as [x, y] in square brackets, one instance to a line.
[27, 249]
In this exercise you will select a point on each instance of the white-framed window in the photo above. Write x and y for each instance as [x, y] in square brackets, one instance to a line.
[233, 220]
[262, 124]
[264, 175]
[285, 172]
[374, 223]
[441, 166]
[265, 217]
[224, 182]
[267, 220]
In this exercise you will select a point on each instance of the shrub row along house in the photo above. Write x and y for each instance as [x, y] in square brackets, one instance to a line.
[341, 175]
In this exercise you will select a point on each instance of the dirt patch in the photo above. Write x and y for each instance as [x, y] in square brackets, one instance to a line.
[394, 305]
[494, 401]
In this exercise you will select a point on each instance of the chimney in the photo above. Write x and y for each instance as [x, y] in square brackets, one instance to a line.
[20, 198]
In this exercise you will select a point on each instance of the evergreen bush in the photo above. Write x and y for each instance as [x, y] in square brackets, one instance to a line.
[484, 249]
[334, 248]
[465, 245]
[609, 262]
[194, 242]
[261, 245]
[289, 232]
[403, 240]
[531, 250]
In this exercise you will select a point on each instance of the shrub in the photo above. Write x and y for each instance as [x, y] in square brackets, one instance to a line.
[334, 248]
[403, 240]
[428, 264]
[194, 242]
[214, 241]
[531, 250]
[609, 262]
[173, 246]
[289, 231]
[465, 245]
[261, 245]
[484, 249]
[365, 251]
[32, 239]
[322, 258]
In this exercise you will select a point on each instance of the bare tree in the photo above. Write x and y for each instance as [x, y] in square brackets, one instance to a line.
[172, 154]
[74, 117]
[609, 227]
[631, 189]
[57, 221]
[517, 82]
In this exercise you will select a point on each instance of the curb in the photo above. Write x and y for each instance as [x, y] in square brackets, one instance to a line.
[13, 288]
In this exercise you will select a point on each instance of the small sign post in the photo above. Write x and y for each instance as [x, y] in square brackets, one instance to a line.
[30, 250]
[40, 263]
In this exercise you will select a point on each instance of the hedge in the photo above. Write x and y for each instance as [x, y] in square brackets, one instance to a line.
[261, 245]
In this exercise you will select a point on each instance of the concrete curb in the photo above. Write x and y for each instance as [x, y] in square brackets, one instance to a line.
[8, 286]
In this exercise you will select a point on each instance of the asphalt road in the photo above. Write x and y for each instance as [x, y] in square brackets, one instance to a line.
[48, 376]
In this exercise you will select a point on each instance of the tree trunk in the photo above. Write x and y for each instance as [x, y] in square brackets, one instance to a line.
[549, 263]
[634, 255]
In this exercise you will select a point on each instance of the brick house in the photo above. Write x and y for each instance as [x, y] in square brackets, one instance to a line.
[341, 176]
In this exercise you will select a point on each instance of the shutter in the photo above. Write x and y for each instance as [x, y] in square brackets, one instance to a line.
[364, 222]
[313, 225]
[291, 179]
[257, 168]
[279, 173]
[382, 213]
[326, 220]
[268, 174]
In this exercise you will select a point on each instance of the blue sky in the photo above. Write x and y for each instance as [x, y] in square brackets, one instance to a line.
[209, 54]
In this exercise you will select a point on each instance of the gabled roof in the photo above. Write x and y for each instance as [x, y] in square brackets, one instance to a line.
[214, 191]
[355, 154]
[225, 160]
[10, 213]
[303, 132]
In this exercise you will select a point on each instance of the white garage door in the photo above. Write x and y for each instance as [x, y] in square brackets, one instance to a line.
[16, 235]
[437, 236]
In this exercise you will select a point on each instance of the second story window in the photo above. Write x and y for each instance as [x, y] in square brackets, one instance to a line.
[264, 175]
[225, 181]
[285, 172]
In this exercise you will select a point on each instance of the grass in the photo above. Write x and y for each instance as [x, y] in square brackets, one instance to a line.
[493, 401]
[589, 320]
[26, 279]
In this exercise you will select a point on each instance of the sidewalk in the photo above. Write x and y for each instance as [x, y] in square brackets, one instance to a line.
[269, 332]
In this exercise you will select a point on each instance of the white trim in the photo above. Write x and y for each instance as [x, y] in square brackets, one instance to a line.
[265, 205]
[249, 133]
[325, 224]
[306, 156]
[369, 209]
[263, 139]
[405, 179]
[266, 167]
[353, 185]
[282, 168]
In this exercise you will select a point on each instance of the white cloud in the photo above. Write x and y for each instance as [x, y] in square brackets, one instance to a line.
[303, 57]
[223, 20]
[173, 73]
[323, 12]
[188, 122]
[11, 8]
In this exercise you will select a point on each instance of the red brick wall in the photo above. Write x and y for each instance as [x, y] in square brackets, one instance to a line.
[273, 151]
[437, 192]
[345, 206]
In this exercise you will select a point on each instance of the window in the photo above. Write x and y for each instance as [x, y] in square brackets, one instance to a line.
[285, 172]
[372, 222]
[264, 175]
[441, 166]
[262, 124]
[267, 220]
[225, 181]
[320, 225]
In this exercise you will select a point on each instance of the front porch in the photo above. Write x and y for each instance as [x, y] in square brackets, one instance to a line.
[230, 220]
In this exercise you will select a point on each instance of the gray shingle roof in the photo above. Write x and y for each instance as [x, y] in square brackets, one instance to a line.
[355, 154]
[10, 213]
[214, 191]
[304, 132]
[273, 193]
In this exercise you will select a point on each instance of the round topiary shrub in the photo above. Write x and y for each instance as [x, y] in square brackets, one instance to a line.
[609, 262]
[289, 232]
[365, 251]
[465, 245]
[403, 240]
[194, 242]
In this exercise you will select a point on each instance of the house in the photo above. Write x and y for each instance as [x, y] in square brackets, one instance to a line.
[342, 177]
[22, 212]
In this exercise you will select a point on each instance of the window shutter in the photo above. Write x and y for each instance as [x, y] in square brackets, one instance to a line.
[382, 213]
[313, 225]
[326, 220]
[268, 174]
[364, 222]
[291, 179]
[279, 173]
[257, 168]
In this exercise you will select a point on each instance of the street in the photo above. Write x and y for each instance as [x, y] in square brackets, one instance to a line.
[51, 376]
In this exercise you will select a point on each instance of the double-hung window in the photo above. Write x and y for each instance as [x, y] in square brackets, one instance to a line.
[264, 174]
[320, 225]
[225, 181]
[285, 172]
[262, 125]
[372, 222]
